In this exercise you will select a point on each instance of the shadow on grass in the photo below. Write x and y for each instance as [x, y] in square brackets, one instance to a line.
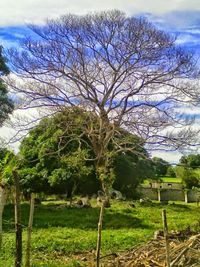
[81, 218]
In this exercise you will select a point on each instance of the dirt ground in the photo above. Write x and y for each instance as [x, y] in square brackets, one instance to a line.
[184, 250]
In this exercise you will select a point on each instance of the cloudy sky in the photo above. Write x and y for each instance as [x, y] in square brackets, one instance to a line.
[179, 17]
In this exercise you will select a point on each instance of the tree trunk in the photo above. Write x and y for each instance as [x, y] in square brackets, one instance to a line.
[29, 231]
[2, 203]
[74, 187]
[18, 227]
[98, 250]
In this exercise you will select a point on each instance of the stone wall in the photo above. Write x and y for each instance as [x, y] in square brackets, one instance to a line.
[169, 194]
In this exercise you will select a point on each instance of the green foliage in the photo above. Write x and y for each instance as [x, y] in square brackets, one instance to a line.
[130, 171]
[190, 178]
[160, 166]
[191, 161]
[7, 163]
[55, 157]
[171, 171]
[6, 105]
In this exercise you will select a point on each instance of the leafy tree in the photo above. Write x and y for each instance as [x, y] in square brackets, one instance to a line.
[52, 161]
[171, 171]
[190, 178]
[130, 171]
[6, 157]
[6, 164]
[122, 69]
[55, 162]
[161, 166]
[192, 161]
[6, 105]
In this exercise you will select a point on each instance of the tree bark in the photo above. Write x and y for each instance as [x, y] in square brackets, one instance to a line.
[29, 231]
[98, 250]
[18, 226]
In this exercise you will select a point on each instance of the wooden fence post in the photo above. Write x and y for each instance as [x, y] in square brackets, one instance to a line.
[2, 203]
[99, 235]
[29, 231]
[18, 226]
[165, 228]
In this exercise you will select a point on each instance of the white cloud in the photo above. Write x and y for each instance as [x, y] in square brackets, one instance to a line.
[187, 38]
[14, 12]
[6, 133]
[171, 157]
[189, 110]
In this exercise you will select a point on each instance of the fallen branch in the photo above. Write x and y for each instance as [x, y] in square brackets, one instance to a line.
[192, 241]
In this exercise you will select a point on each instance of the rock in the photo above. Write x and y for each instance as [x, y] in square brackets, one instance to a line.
[115, 194]
[86, 202]
[145, 200]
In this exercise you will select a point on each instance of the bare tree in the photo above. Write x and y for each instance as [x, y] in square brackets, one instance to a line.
[122, 69]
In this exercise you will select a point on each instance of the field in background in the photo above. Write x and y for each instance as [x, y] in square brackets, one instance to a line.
[167, 179]
[60, 233]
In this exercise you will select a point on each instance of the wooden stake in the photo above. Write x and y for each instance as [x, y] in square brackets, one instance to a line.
[29, 231]
[99, 236]
[165, 228]
[18, 227]
[2, 203]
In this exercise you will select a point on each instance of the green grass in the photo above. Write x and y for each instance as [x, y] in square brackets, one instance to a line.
[61, 234]
[167, 179]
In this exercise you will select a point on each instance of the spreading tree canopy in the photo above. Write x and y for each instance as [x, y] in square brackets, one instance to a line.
[125, 71]
[53, 161]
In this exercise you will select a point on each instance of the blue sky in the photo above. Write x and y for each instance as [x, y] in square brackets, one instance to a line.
[178, 17]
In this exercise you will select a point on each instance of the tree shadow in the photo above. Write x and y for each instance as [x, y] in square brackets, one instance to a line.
[46, 216]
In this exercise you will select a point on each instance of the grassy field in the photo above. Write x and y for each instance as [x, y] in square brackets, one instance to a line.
[167, 179]
[59, 234]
